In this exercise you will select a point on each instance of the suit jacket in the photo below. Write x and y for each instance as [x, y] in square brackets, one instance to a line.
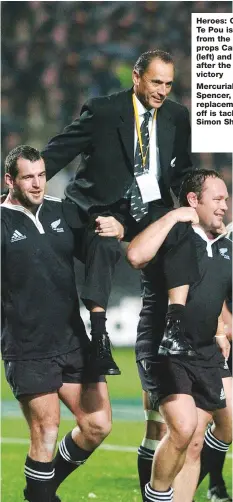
[104, 136]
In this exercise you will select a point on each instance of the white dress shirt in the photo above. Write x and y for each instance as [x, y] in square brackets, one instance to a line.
[154, 163]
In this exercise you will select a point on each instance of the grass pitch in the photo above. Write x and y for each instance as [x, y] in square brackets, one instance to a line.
[110, 475]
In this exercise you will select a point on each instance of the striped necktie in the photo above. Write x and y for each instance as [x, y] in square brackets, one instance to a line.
[138, 209]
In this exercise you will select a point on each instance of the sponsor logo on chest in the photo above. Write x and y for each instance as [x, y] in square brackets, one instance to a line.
[17, 236]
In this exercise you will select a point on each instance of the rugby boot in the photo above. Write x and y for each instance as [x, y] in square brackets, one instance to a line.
[218, 494]
[55, 499]
[174, 342]
[101, 358]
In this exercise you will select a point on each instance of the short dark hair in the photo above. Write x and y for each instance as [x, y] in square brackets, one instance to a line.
[194, 182]
[23, 152]
[145, 59]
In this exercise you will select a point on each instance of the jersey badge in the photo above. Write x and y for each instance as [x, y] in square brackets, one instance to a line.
[223, 252]
[55, 226]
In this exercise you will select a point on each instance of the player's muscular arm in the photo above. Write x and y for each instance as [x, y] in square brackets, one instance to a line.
[146, 244]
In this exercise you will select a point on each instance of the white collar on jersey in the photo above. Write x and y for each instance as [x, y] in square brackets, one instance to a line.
[29, 214]
[209, 242]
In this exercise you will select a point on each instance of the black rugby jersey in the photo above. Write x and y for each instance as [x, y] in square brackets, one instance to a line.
[39, 299]
[203, 306]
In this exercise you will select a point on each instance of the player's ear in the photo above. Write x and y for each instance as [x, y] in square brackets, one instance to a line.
[9, 180]
[135, 77]
[192, 199]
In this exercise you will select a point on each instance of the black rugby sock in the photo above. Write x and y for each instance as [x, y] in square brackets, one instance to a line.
[145, 459]
[212, 454]
[68, 458]
[39, 478]
[215, 471]
[98, 321]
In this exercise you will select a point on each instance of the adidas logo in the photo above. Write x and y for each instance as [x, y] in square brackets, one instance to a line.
[222, 394]
[17, 236]
[55, 226]
[225, 367]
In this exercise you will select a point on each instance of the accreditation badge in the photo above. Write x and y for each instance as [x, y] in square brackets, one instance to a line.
[148, 186]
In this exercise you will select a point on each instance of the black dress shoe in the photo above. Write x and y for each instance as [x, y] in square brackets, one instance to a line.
[174, 342]
[101, 358]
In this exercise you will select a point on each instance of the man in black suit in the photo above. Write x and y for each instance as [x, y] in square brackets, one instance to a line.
[134, 144]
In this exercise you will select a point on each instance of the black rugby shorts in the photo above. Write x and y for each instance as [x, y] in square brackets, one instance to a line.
[37, 376]
[164, 378]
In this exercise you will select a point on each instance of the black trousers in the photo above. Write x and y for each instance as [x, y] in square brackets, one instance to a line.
[101, 254]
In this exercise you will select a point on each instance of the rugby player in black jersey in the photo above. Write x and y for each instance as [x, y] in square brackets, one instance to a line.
[186, 392]
[44, 343]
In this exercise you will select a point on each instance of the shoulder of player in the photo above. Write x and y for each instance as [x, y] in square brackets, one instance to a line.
[51, 200]
[52, 205]
[8, 218]
[5, 212]
[223, 245]
[226, 241]
[229, 229]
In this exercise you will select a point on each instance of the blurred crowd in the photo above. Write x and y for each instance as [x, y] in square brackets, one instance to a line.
[57, 54]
